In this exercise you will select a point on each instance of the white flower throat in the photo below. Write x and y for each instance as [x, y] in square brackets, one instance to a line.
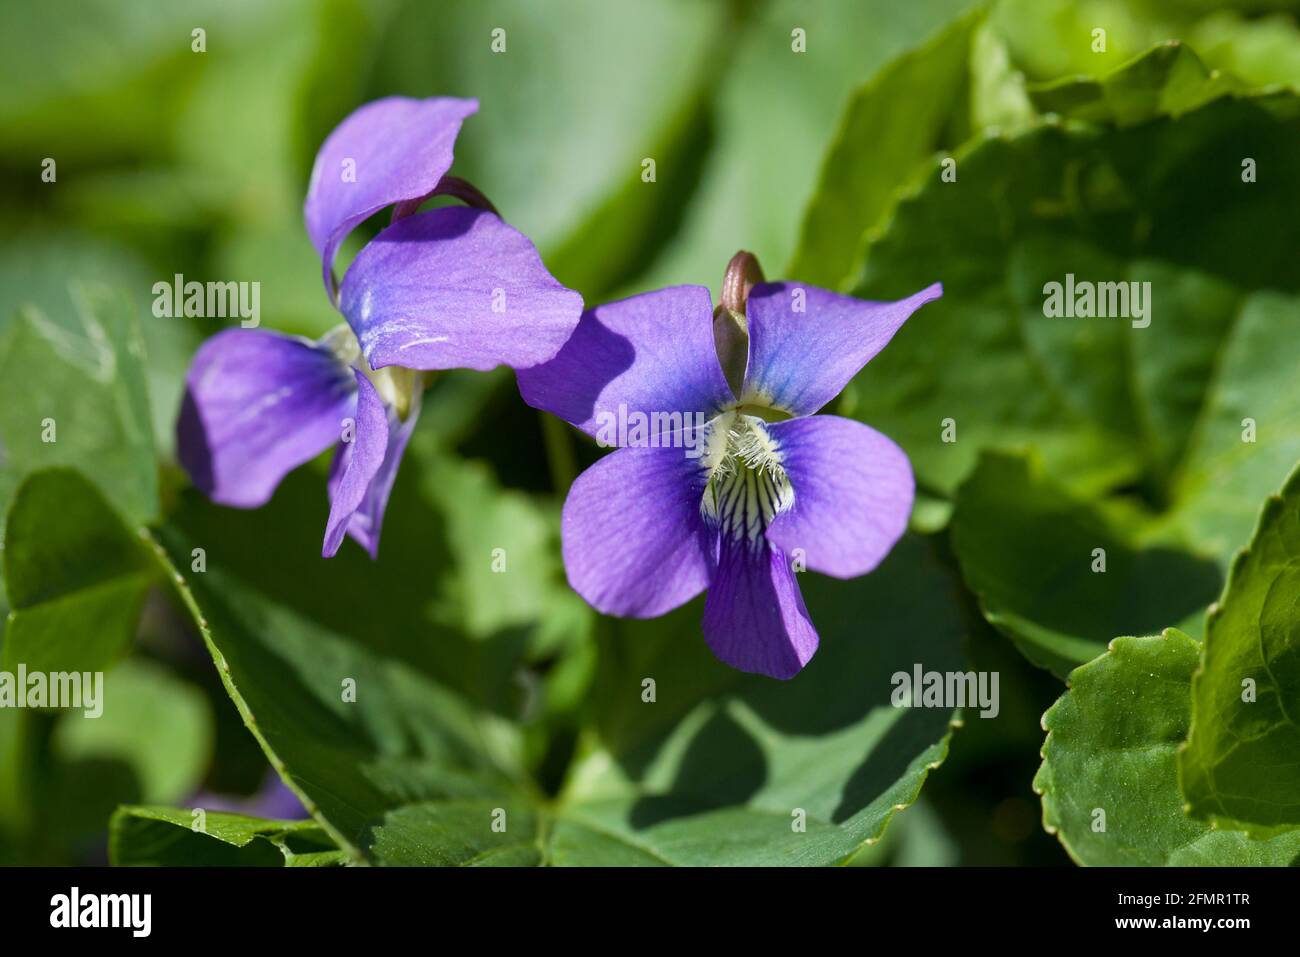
[747, 486]
[396, 386]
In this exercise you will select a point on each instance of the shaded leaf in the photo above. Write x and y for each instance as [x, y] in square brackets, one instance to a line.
[75, 574]
[432, 600]
[360, 765]
[1058, 575]
[717, 769]
[1058, 204]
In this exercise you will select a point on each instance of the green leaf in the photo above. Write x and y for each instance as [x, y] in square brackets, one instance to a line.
[510, 565]
[1087, 202]
[893, 122]
[716, 768]
[1052, 38]
[1111, 750]
[1246, 436]
[168, 837]
[1049, 39]
[369, 742]
[1241, 766]
[79, 399]
[415, 769]
[1028, 549]
[76, 577]
[998, 99]
[466, 832]
[1029, 386]
[1167, 81]
[406, 745]
[45, 271]
[772, 114]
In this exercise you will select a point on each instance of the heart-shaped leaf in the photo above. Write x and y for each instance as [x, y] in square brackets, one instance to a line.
[1109, 778]
[1063, 215]
[1241, 766]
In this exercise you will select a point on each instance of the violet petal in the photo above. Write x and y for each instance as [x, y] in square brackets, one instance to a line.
[652, 353]
[853, 491]
[455, 288]
[257, 405]
[382, 153]
[367, 521]
[805, 343]
[754, 617]
[634, 542]
[357, 464]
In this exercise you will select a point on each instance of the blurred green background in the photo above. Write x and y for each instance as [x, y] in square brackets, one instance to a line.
[174, 161]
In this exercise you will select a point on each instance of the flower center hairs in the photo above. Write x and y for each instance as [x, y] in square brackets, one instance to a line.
[747, 485]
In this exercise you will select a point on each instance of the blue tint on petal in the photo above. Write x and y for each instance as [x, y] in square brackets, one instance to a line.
[806, 344]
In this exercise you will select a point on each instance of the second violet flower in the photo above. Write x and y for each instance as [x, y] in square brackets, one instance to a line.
[452, 287]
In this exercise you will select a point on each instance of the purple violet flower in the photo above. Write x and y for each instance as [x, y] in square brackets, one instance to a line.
[453, 287]
[725, 480]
